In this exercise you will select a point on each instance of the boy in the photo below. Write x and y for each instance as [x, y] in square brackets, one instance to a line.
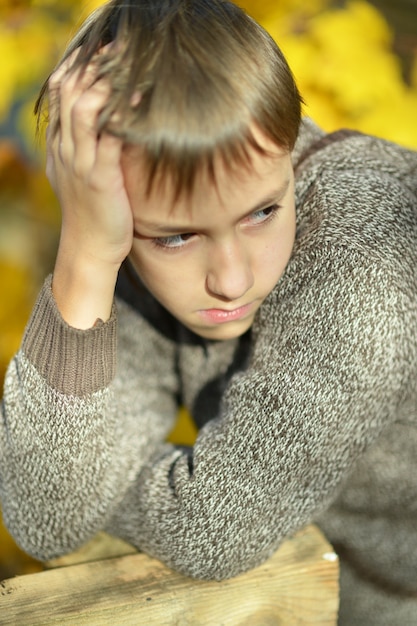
[265, 278]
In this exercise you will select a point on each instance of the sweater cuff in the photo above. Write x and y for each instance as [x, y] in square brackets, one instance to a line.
[72, 361]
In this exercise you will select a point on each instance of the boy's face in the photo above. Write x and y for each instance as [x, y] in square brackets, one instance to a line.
[212, 258]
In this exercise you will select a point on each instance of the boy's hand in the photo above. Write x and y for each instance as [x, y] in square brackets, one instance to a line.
[97, 223]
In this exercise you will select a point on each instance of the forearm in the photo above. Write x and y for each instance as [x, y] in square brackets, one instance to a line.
[84, 168]
[57, 432]
[73, 432]
[55, 485]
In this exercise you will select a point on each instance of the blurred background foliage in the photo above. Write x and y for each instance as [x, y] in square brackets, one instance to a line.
[356, 65]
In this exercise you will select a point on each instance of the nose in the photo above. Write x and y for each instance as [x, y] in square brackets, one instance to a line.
[229, 274]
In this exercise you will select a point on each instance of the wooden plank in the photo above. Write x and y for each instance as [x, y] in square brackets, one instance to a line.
[102, 546]
[297, 586]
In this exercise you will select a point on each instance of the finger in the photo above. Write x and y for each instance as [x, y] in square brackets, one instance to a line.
[108, 153]
[78, 95]
[50, 156]
[54, 86]
[66, 83]
[84, 124]
[73, 88]
[53, 151]
[62, 69]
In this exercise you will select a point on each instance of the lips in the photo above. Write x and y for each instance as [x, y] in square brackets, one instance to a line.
[222, 316]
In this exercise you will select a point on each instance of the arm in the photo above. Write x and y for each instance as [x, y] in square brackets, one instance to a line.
[72, 431]
[329, 369]
[73, 434]
[84, 169]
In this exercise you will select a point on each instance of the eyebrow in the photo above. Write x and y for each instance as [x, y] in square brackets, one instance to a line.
[271, 198]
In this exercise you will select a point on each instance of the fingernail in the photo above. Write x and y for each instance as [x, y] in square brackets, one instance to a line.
[135, 99]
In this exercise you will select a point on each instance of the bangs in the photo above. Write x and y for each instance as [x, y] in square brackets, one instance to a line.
[182, 152]
[191, 100]
[184, 167]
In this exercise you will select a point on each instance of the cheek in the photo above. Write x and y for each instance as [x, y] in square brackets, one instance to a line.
[160, 277]
[272, 262]
[146, 270]
[278, 251]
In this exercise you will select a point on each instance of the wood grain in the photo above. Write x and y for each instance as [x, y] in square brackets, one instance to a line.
[298, 585]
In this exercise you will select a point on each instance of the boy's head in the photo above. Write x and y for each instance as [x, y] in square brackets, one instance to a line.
[189, 79]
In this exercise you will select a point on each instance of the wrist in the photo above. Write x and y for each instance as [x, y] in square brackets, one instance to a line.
[83, 288]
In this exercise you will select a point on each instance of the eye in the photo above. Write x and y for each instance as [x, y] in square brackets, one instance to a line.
[263, 215]
[172, 241]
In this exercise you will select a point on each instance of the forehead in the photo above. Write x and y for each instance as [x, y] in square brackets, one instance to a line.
[219, 179]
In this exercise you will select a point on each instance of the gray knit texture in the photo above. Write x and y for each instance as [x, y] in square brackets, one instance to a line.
[311, 418]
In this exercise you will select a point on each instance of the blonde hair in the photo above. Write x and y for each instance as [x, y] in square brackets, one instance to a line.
[188, 78]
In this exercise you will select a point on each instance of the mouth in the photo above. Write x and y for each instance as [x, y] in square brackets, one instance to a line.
[221, 316]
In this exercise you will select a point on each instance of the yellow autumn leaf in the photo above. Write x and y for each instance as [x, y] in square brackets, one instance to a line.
[8, 70]
[321, 107]
[14, 310]
[12, 559]
[394, 119]
[353, 45]
[413, 73]
[184, 432]
[264, 9]
[357, 21]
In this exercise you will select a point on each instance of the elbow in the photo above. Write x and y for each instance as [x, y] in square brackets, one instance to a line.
[218, 569]
[43, 547]
[217, 558]
[42, 535]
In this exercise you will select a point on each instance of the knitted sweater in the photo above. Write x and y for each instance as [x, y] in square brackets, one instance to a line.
[310, 416]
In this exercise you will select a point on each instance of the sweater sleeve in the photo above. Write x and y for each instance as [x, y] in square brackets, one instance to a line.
[333, 356]
[74, 429]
